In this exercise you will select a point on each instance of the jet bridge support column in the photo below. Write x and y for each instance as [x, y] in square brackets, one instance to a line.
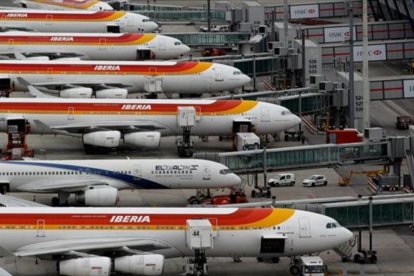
[186, 119]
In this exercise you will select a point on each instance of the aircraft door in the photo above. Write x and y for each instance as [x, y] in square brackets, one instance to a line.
[49, 19]
[10, 44]
[137, 172]
[265, 115]
[304, 228]
[218, 74]
[102, 43]
[71, 112]
[50, 73]
[40, 228]
[206, 173]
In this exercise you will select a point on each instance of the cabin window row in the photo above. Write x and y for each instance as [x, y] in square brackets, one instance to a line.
[61, 173]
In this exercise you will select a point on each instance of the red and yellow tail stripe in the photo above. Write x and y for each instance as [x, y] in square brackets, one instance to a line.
[68, 39]
[219, 107]
[153, 69]
[246, 218]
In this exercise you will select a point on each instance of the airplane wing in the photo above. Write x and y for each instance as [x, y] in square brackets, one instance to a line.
[122, 246]
[66, 85]
[43, 55]
[55, 186]
[112, 125]
[9, 201]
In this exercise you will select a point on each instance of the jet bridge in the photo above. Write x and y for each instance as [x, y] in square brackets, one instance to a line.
[391, 149]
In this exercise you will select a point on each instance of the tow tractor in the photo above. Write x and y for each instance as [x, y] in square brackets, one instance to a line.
[235, 196]
[17, 148]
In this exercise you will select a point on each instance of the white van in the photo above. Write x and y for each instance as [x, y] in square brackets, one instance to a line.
[282, 179]
[221, 28]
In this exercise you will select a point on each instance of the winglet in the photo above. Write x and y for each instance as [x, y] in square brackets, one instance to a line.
[37, 93]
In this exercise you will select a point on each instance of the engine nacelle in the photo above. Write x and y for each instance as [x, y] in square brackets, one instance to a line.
[76, 92]
[148, 139]
[106, 139]
[112, 93]
[98, 196]
[93, 266]
[140, 264]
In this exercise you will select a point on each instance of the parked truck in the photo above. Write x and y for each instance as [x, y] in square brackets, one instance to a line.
[309, 265]
[343, 136]
[247, 141]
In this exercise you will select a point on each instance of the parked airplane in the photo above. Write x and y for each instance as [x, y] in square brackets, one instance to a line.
[140, 123]
[66, 4]
[96, 182]
[98, 241]
[76, 21]
[114, 79]
[93, 46]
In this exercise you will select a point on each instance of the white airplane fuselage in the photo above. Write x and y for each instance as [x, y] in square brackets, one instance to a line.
[214, 117]
[93, 46]
[75, 21]
[173, 77]
[234, 236]
[120, 174]
[66, 5]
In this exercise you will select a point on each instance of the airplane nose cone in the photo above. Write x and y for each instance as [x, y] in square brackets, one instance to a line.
[185, 49]
[152, 27]
[245, 79]
[235, 180]
[348, 234]
[297, 120]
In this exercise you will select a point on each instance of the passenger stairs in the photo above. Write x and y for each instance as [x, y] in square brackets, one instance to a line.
[345, 250]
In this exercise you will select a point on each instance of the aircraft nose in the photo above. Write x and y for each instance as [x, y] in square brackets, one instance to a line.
[152, 26]
[296, 119]
[185, 49]
[235, 180]
[245, 79]
[347, 234]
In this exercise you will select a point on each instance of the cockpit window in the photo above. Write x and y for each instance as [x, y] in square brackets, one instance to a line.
[177, 43]
[145, 20]
[236, 73]
[332, 225]
[225, 171]
[286, 112]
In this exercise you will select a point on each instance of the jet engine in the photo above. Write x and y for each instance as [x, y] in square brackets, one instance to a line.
[140, 264]
[149, 139]
[106, 139]
[93, 266]
[112, 93]
[98, 196]
[76, 92]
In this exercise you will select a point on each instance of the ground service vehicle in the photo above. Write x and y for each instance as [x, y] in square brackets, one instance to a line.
[247, 141]
[343, 136]
[282, 179]
[315, 180]
[309, 266]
